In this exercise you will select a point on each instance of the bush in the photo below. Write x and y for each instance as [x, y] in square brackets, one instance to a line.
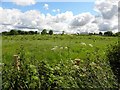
[114, 60]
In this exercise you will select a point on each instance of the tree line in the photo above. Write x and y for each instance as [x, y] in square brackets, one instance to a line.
[50, 32]
[20, 32]
[107, 33]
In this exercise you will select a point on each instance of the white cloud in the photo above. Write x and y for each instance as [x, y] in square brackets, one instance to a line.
[34, 19]
[82, 19]
[106, 8]
[24, 2]
[104, 26]
[9, 16]
[108, 19]
[46, 6]
[56, 10]
[82, 23]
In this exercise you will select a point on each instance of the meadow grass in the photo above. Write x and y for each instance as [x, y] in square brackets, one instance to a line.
[48, 62]
[54, 48]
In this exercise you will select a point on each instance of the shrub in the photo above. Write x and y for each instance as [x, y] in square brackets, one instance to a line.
[113, 56]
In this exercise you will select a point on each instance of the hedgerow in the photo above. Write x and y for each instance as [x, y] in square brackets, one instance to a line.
[113, 57]
[43, 76]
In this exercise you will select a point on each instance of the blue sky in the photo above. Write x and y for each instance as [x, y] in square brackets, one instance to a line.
[75, 7]
[58, 15]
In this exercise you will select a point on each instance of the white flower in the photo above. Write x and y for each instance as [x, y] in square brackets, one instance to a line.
[66, 47]
[90, 45]
[53, 49]
[55, 46]
[61, 47]
[82, 43]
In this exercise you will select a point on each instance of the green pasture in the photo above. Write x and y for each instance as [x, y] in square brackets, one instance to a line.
[55, 48]
[49, 62]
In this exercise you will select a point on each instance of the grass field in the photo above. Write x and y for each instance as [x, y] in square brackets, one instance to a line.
[54, 49]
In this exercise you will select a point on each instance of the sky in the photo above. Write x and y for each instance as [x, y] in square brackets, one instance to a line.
[70, 16]
[75, 7]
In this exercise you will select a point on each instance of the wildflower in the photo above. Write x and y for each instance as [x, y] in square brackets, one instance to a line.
[61, 47]
[66, 47]
[90, 45]
[53, 49]
[83, 43]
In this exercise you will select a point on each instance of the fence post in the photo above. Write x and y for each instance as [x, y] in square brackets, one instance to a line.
[17, 62]
[77, 62]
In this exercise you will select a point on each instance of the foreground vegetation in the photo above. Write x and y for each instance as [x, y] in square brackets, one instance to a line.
[57, 61]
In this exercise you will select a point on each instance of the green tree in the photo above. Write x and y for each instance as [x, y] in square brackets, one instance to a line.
[108, 33]
[31, 32]
[91, 33]
[117, 34]
[50, 32]
[13, 32]
[5, 33]
[36, 32]
[44, 31]
[100, 33]
[63, 32]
